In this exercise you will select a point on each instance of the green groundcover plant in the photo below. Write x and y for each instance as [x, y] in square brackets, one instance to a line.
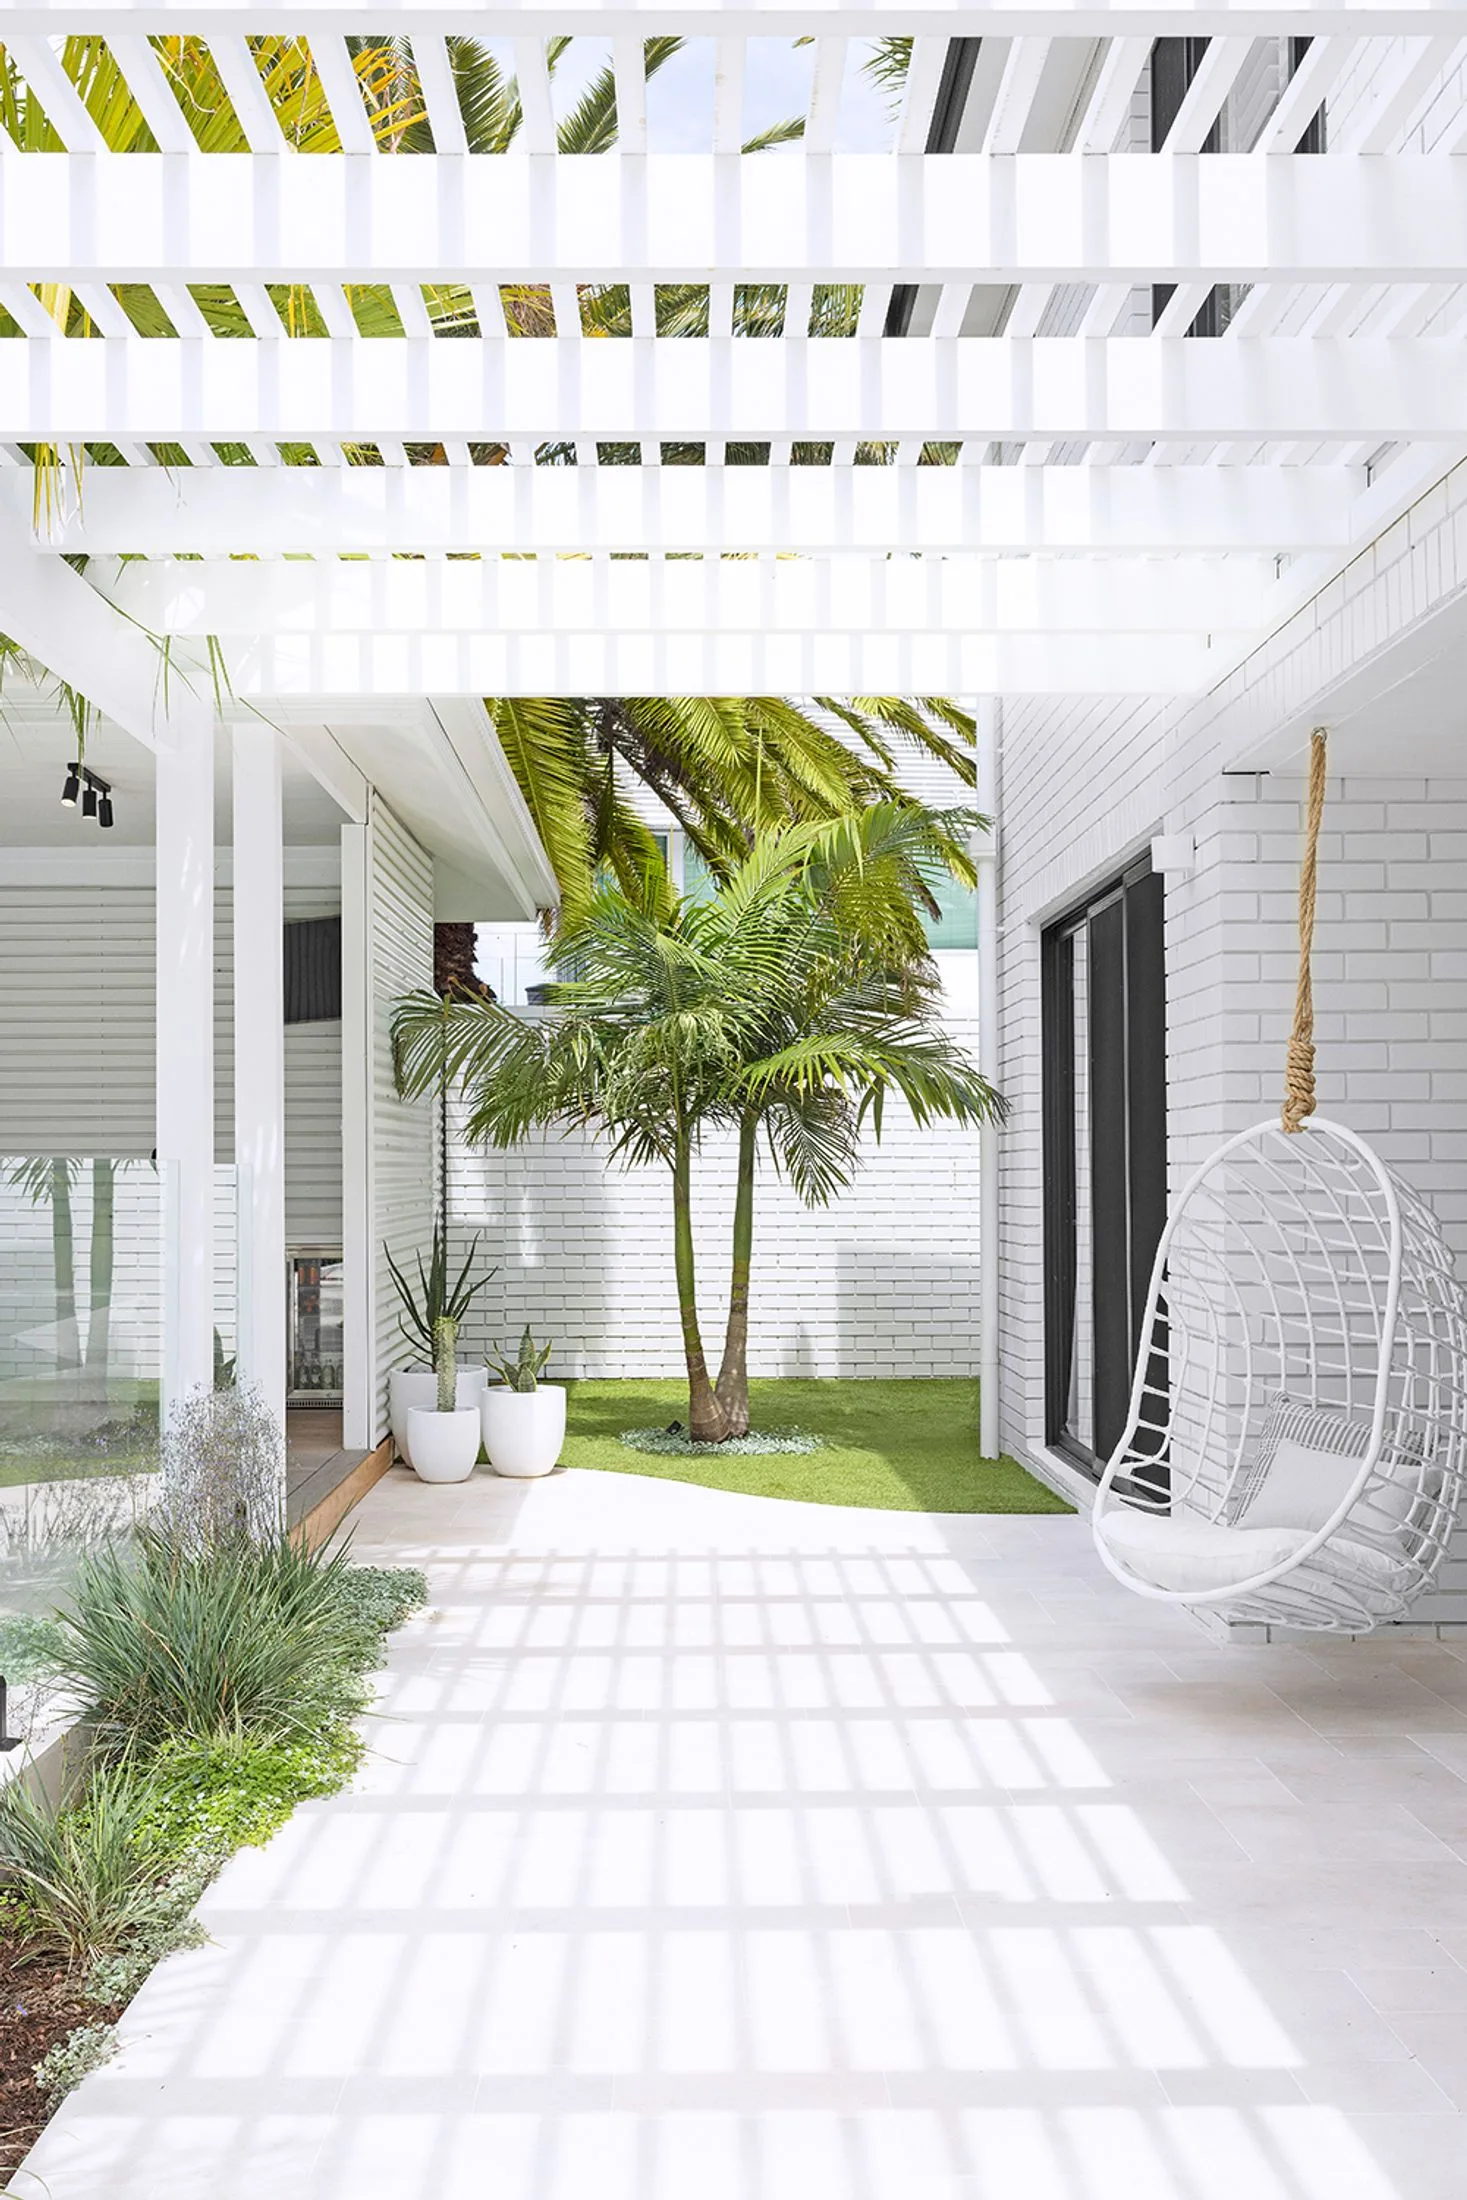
[218, 1687]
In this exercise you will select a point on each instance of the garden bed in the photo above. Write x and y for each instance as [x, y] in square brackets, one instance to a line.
[218, 1685]
[901, 1446]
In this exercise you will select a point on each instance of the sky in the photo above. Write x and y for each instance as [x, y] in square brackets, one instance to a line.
[776, 85]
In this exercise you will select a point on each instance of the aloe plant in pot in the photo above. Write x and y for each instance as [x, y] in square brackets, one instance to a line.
[443, 1439]
[524, 1419]
[428, 1302]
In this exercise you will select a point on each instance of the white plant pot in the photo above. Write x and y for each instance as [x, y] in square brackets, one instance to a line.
[418, 1386]
[443, 1446]
[523, 1429]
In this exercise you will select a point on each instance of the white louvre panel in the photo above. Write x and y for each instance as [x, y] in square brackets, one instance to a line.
[400, 908]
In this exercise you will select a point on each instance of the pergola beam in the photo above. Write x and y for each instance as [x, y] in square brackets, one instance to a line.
[673, 390]
[706, 218]
[655, 662]
[716, 596]
[731, 18]
[269, 511]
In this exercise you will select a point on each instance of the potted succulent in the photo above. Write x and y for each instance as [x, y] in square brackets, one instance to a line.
[524, 1419]
[434, 1299]
[443, 1439]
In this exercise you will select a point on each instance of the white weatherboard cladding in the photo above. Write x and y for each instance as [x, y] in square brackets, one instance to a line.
[1086, 785]
[400, 914]
[76, 1030]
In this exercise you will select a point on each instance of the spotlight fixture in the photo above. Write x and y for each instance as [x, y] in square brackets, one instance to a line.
[95, 793]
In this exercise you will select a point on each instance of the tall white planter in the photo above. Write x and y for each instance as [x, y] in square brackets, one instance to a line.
[416, 1386]
[444, 1446]
[523, 1429]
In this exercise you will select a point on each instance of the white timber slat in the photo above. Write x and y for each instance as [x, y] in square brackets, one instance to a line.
[1104, 310]
[629, 66]
[1014, 99]
[826, 80]
[695, 217]
[1202, 102]
[1027, 310]
[1398, 94]
[919, 94]
[343, 94]
[247, 94]
[411, 311]
[440, 94]
[798, 302]
[27, 312]
[489, 311]
[533, 76]
[720, 309]
[1180, 310]
[103, 309]
[1110, 101]
[1307, 89]
[331, 304]
[729, 60]
[749, 18]
[271, 510]
[182, 309]
[657, 662]
[952, 305]
[875, 302]
[148, 83]
[991, 596]
[259, 310]
[41, 67]
[942, 388]
[642, 299]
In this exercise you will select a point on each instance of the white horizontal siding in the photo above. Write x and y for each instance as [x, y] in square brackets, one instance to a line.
[400, 904]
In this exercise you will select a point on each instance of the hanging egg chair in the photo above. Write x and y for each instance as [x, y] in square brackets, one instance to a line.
[1295, 1447]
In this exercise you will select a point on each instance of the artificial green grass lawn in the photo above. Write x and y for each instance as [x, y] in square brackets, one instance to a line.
[896, 1446]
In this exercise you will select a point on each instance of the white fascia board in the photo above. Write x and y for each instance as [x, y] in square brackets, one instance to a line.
[715, 595]
[827, 663]
[460, 726]
[270, 511]
[729, 18]
[946, 389]
[699, 218]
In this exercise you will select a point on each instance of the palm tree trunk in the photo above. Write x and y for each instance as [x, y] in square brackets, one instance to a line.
[99, 1323]
[707, 1421]
[733, 1376]
[63, 1262]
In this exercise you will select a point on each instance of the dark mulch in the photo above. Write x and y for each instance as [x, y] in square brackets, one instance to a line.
[39, 2004]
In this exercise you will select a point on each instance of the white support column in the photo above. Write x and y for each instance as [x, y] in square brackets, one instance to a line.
[986, 852]
[184, 1021]
[358, 1242]
[259, 1063]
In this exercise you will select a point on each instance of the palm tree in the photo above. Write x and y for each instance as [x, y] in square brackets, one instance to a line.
[726, 767]
[788, 1005]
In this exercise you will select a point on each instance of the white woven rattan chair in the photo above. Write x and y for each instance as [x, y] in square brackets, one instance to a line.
[1304, 1352]
[1295, 1447]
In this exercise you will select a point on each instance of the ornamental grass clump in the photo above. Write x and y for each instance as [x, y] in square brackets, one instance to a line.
[162, 1641]
[90, 1874]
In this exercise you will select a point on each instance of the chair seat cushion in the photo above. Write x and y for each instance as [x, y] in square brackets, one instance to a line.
[1182, 1552]
[1179, 1551]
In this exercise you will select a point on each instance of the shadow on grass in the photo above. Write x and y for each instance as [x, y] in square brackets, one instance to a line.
[897, 1446]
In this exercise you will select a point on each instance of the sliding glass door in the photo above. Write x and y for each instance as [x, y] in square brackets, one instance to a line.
[1104, 1037]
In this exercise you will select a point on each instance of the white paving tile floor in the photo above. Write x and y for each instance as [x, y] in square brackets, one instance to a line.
[712, 1848]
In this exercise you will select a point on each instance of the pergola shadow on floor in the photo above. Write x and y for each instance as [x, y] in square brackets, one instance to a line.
[763, 1850]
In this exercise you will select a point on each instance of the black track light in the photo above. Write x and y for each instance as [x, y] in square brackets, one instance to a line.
[72, 788]
[104, 813]
[89, 800]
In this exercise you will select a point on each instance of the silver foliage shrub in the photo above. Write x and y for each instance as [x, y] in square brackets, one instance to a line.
[223, 1457]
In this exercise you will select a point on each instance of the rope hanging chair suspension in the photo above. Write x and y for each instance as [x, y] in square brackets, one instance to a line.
[1297, 1435]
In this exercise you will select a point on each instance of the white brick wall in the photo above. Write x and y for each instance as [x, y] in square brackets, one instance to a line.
[1086, 783]
[884, 1282]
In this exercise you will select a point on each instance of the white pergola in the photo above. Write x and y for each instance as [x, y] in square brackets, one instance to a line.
[1043, 483]
[1118, 388]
